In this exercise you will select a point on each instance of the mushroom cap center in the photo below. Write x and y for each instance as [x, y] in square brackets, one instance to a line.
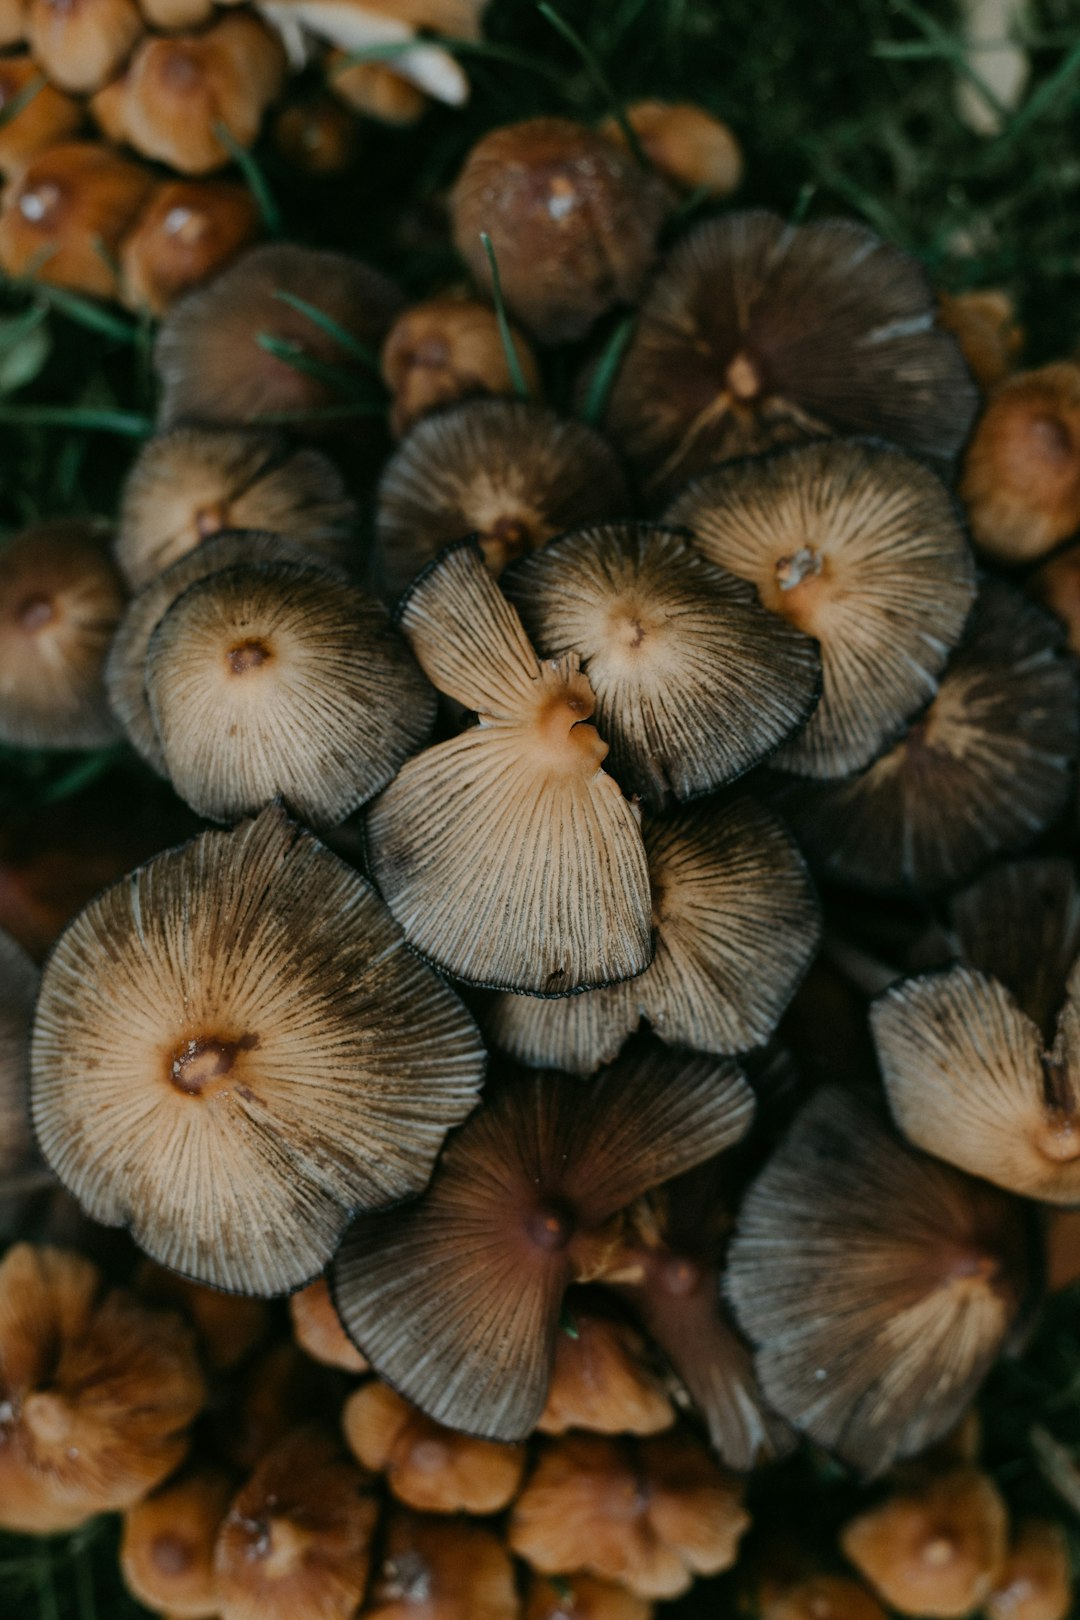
[282, 1548]
[679, 1276]
[251, 653]
[41, 203]
[35, 612]
[506, 539]
[204, 1066]
[430, 1456]
[48, 1417]
[563, 740]
[171, 1554]
[550, 1225]
[743, 378]
[211, 519]
[939, 1550]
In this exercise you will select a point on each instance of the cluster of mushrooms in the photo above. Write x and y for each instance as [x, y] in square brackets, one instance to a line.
[490, 1012]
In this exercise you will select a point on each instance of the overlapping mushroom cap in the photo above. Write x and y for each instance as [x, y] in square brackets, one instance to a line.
[167, 1549]
[442, 1569]
[18, 988]
[256, 1056]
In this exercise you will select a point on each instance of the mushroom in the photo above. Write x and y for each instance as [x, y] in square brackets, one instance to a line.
[271, 680]
[935, 1549]
[375, 90]
[581, 1597]
[572, 220]
[36, 114]
[986, 766]
[448, 349]
[560, 901]
[189, 231]
[167, 1544]
[266, 1400]
[428, 1466]
[757, 333]
[60, 601]
[688, 145]
[169, 15]
[96, 1392]
[12, 22]
[18, 988]
[1035, 1582]
[821, 1597]
[1056, 583]
[985, 326]
[511, 473]
[695, 681]
[1021, 473]
[859, 546]
[82, 44]
[603, 1378]
[357, 26]
[877, 1285]
[318, 1330]
[649, 1514]
[190, 483]
[442, 1569]
[269, 1057]
[228, 1327]
[455, 1299]
[317, 136]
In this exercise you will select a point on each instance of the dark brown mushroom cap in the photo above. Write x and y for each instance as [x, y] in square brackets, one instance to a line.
[986, 766]
[271, 680]
[857, 545]
[508, 856]
[757, 333]
[60, 601]
[877, 1285]
[695, 681]
[274, 1058]
[167, 1547]
[820, 1597]
[442, 1569]
[18, 989]
[1020, 924]
[455, 1298]
[511, 473]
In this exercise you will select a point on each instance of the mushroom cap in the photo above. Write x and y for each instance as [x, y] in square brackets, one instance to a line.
[511, 473]
[191, 483]
[581, 1597]
[821, 1597]
[68, 204]
[375, 90]
[1035, 1582]
[695, 681]
[96, 1392]
[228, 1327]
[455, 1299]
[60, 601]
[756, 333]
[18, 989]
[560, 901]
[267, 1399]
[189, 231]
[426, 1465]
[46, 117]
[984, 324]
[276, 1058]
[167, 1546]
[448, 349]
[318, 1331]
[877, 1285]
[650, 1514]
[442, 1569]
[1057, 585]
[685, 143]
[984, 768]
[1021, 474]
[317, 135]
[860, 546]
[81, 44]
[603, 1376]
[576, 1034]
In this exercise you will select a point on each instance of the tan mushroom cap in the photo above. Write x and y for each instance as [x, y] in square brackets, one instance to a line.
[46, 118]
[1057, 584]
[375, 90]
[1021, 474]
[189, 231]
[603, 1377]
[276, 1058]
[81, 44]
[984, 324]
[18, 989]
[442, 1569]
[688, 145]
[447, 349]
[318, 1331]
[1036, 1580]
[167, 1546]
[65, 214]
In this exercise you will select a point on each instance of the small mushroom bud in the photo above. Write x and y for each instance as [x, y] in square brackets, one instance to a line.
[448, 349]
[46, 118]
[374, 89]
[167, 1548]
[687, 144]
[1021, 474]
[985, 326]
[318, 1331]
[573, 223]
[189, 231]
[82, 44]
[1036, 1580]
[317, 136]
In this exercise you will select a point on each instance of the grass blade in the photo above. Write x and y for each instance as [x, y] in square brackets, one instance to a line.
[83, 418]
[603, 84]
[607, 369]
[257, 182]
[517, 376]
[345, 339]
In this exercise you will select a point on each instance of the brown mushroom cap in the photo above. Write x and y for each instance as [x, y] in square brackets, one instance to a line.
[267, 1399]
[442, 1569]
[455, 1299]
[275, 1057]
[189, 231]
[1035, 1582]
[878, 1285]
[603, 1378]
[859, 546]
[581, 1597]
[318, 1331]
[448, 349]
[757, 333]
[47, 117]
[167, 1548]
[81, 44]
[985, 326]
[685, 143]
[1057, 584]
[96, 1392]
[18, 989]
[374, 89]
[821, 1597]
[65, 214]
[228, 1326]
[1021, 475]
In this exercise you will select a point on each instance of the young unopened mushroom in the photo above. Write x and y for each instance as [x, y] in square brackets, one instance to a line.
[82, 44]
[510, 473]
[167, 1546]
[985, 767]
[573, 223]
[317, 136]
[427, 1466]
[447, 349]
[60, 601]
[861, 547]
[442, 1569]
[96, 1392]
[189, 231]
[228, 1327]
[581, 1597]
[375, 90]
[1035, 1582]
[455, 1299]
[18, 989]
[318, 1331]
[47, 117]
[192, 482]
[757, 333]
[650, 1514]
[934, 1549]
[66, 212]
[877, 1285]
[602, 1377]
[560, 901]
[296, 1541]
[1021, 475]
[685, 143]
[985, 326]
[269, 1057]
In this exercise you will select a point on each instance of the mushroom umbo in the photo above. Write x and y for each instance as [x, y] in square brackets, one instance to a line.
[167, 1544]
[603, 1376]
[933, 1549]
[581, 1597]
[285, 1059]
[736, 925]
[60, 601]
[447, 349]
[695, 681]
[560, 901]
[318, 1331]
[96, 1392]
[757, 333]
[685, 143]
[190, 230]
[510, 473]
[573, 223]
[65, 214]
[861, 547]
[878, 1285]
[228, 1327]
[426, 1465]
[1035, 1582]
[37, 114]
[455, 1298]
[81, 44]
[985, 326]
[649, 1513]
[981, 772]
[1021, 474]
[192, 482]
[18, 988]
[297, 1538]
[442, 1569]
[272, 680]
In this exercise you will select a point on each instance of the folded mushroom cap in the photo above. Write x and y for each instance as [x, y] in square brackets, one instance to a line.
[81, 44]
[228, 1327]
[878, 1285]
[318, 1331]
[18, 988]
[36, 118]
[167, 1546]
[1021, 476]
[650, 1514]
[508, 472]
[560, 899]
[189, 231]
[757, 333]
[447, 349]
[275, 1057]
[985, 326]
[455, 1299]
[685, 143]
[576, 1034]
[581, 1597]
[603, 1378]
[1035, 1582]
[375, 90]
[859, 546]
[96, 1392]
[442, 1569]
[695, 681]
[65, 214]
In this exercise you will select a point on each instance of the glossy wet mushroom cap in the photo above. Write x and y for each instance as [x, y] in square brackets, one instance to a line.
[688, 145]
[1021, 473]
[82, 44]
[318, 1331]
[275, 1060]
[38, 114]
[985, 326]
[1035, 1582]
[18, 989]
[442, 1569]
[189, 231]
[167, 1545]
[317, 136]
